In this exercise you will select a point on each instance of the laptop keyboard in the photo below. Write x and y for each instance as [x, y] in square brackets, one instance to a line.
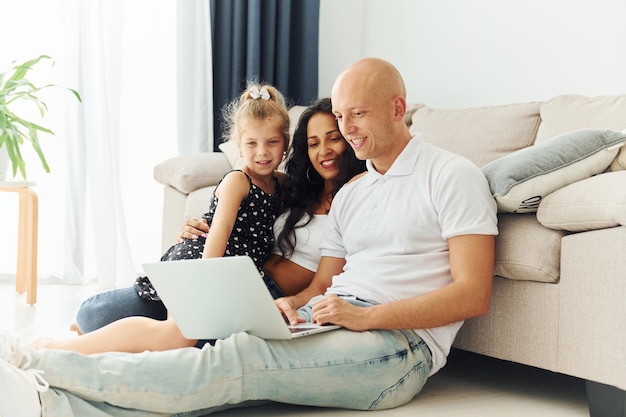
[301, 329]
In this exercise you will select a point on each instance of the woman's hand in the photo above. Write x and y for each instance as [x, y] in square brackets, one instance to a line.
[288, 309]
[194, 228]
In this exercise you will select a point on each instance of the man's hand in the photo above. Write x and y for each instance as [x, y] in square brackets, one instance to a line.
[288, 309]
[194, 228]
[333, 310]
[327, 268]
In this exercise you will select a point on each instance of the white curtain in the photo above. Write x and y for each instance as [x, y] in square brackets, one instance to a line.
[194, 77]
[139, 66]
[102, 52]
[93, 180]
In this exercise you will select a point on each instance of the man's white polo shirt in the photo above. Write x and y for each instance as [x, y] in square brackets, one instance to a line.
[392, 229]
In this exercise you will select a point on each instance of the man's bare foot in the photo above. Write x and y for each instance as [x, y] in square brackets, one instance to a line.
[74, 328]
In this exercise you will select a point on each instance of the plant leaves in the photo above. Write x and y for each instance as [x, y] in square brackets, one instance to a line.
[22, 69]
[14, 129]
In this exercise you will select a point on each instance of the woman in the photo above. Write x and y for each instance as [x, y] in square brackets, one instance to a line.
[320, 163]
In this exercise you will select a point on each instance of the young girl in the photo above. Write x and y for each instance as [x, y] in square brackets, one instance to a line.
[242, 212]
[248, 199]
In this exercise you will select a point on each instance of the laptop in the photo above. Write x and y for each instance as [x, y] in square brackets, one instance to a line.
[216, 297]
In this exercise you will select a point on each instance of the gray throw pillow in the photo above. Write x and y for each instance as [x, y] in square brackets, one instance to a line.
[519, 181]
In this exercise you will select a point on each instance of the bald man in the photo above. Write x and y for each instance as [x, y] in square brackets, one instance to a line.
[408, 256]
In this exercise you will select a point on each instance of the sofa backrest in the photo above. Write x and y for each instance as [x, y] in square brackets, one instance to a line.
[573, 112]
[481, 134]
[484, 134]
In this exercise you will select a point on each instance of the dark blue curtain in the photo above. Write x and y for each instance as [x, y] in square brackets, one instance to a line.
[272, 41]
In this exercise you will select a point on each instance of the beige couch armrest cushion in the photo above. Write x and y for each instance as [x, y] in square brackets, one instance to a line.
[187, 173]
[198, 202]
[594, 203]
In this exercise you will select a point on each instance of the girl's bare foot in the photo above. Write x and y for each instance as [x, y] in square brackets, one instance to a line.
[74, 328]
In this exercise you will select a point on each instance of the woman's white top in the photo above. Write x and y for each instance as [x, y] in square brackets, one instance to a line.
[308, 239]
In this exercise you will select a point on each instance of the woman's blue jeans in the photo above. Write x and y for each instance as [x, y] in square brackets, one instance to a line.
[101, 309]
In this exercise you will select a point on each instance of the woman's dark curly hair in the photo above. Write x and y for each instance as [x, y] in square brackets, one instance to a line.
[303, 188]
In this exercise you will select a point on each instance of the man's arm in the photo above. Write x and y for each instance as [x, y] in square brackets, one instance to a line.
[468, 295]
[326, 270]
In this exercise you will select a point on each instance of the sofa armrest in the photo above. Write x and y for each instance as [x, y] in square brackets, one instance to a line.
[187, 173]
[597, 202]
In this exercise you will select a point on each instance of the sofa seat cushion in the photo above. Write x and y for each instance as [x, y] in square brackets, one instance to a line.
[481, 134]
[520, 181]
[527, 251]
[594, 203]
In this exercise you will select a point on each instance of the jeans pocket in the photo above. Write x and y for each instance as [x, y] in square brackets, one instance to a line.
[416, 358]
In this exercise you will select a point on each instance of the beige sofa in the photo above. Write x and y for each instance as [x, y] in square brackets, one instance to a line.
[560, 287]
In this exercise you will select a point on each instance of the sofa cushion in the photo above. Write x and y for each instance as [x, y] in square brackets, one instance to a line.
[190, 172]
[231, 151]
[527, 251]
[198, 202]
[594, 203]
[575, 112]
[572, 112]
[619, 163]
[481, 134]
[520, 181]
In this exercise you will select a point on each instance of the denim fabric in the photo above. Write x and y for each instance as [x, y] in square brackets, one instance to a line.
[272, 286]
[104, 308]
[358, 370]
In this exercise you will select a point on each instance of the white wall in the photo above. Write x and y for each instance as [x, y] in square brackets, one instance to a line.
[459, 53]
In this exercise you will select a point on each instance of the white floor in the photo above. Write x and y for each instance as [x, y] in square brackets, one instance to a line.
[469, 386]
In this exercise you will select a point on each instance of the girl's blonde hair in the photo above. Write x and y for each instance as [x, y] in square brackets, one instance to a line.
[258, 102]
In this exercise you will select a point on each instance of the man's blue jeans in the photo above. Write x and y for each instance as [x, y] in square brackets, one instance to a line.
[341, 368]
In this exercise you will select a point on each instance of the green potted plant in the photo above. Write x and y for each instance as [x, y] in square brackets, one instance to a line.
[15, 131]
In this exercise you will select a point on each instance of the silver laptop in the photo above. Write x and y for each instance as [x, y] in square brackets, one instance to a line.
[216, 297]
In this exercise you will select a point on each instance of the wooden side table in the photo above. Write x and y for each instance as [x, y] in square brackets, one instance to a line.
[26, 276]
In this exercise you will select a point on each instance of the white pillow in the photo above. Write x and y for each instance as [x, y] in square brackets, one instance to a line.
[593, 203]
[519, 181]
[619, 163]
[230, 149]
